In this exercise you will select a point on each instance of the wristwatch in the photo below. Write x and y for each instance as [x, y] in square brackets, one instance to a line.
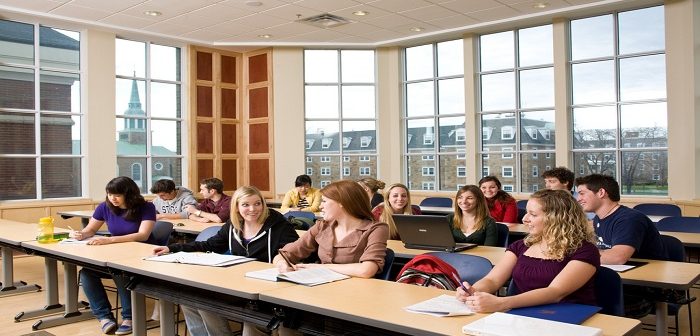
[198, 213]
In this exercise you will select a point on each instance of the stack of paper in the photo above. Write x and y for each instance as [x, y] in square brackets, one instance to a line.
[205, 259]
[308, 276]
[443, 305]
[502, 324]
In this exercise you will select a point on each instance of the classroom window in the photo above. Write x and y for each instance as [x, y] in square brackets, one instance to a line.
[516, 80]
[618, 76]
[148, 110]
[434, 112]
[340, 107]
[40, 115]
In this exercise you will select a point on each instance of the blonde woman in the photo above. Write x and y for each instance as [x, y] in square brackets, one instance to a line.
[254, 231]
[398, 199]
[471, 222]
[372, 187]
[554, 263]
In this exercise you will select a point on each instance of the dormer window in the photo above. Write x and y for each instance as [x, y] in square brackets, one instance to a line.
[507, 133]
[460, 135]
[365, 141]
[309, 144]
[326, 142]
[428, 138]
[346, 142]
[486, 133]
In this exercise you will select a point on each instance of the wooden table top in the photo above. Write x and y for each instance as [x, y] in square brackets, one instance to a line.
[97, 255]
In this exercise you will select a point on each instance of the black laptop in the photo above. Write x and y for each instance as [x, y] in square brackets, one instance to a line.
[425, 232]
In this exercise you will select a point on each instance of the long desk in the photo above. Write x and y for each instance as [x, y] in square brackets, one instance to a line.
[357, 300]
[11, 235]
[188, 226]
[84, 215]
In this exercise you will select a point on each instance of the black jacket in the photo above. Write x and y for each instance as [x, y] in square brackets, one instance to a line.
[275, 233]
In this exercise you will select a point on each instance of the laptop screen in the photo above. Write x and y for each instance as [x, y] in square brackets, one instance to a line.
[425, 230]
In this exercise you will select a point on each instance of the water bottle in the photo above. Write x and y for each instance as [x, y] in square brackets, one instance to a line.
[45, 230]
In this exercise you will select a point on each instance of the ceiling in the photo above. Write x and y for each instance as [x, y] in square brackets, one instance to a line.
[244, 23]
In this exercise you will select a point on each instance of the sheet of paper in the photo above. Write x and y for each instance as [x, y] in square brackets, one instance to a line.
[619, 268]
[269, 274]
[313, 276]
[195, 258]
[443, 305]
[75, 241]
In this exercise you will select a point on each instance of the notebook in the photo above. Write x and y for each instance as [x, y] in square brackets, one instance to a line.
[428, 232]
[502, 324]
[308, 276]
[443, 305]
[630, 264]
[562, 312]
[204, 259]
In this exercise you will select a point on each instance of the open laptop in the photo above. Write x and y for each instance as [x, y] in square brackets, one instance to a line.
[427, 232]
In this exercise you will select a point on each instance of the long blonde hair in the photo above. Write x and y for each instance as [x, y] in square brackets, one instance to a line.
[566, 226]
[245, 191]
[481, 210]
[386, 216]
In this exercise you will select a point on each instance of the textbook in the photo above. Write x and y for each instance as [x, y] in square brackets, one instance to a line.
[630, 264]
[308, 277]
[502, 324]
[443, 305]
[197, 258]
[562, 312]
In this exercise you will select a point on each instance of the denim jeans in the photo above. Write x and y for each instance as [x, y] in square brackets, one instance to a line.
[97, 296]
[203, 323]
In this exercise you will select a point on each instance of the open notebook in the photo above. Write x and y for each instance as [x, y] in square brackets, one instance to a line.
[308, 277]
[197, 258]
[443, 305]
[502, 324]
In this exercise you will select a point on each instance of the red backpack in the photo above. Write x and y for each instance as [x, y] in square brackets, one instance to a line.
[429, 271]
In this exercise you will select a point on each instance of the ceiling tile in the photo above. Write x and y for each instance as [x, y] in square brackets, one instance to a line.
[527, 7]
[291, 12]
[37, 5]
[79, 12]
[265, 5]
[322, 35]
[374, 12]
[127, 21]
[451, 22]
[205, 35]
[494, 14]
[471, 6]
[168, 8]
[406, 29]
[382, 34]
[167, 28]
[356, 28]
[112, 6]
[392, 20]
[260, 20]
[433, 12]
[399, 5]
[324, 6]
[230, 28]
[352, 39]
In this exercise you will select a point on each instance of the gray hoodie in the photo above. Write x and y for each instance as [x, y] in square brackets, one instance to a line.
[176, 205]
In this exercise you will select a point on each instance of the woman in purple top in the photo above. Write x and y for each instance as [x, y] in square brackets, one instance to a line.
[129, 218]
[554, 263]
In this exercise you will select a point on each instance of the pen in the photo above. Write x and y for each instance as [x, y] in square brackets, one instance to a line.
[289, 262]
[469, 291]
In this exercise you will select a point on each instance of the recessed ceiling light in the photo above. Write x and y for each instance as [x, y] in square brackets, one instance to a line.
[153, 13]
[265, 36]
[417, 29]
[254, 3]
[540, 5]
[360, 13]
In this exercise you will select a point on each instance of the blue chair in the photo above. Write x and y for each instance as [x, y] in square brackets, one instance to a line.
[161, 232]
[388, 262]
[679, 224]
[471, 268]
[503, 233]
[676, 252]
[658, 209]
[521, 214]
[521, 204]
[303, 214]
[208, 233]
[443, 202]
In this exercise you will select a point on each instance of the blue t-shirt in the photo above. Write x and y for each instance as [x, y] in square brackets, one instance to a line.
[630, 227]
[118, 226]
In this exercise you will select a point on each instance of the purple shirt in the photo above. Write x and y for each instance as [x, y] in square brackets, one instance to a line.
[533, 273]
[118, 226]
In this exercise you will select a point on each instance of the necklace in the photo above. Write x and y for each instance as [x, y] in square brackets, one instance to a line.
[542, 250]
[611, 210]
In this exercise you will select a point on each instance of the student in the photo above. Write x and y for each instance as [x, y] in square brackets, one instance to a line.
[555, 262]
[559, 178]
[471, 222]
[372, 187]
[398, 198]
[216, 206]
[171, 201]
[502, 206]
[253, 230]
[303, 197]
[129, 218]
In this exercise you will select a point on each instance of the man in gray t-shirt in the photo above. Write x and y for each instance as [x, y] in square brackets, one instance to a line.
[171, 201]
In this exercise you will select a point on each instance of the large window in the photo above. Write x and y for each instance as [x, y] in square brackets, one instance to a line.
[149, 114]
[340, 114]
[618, 75]
[40, 113]
[516, 77]
[434, 101]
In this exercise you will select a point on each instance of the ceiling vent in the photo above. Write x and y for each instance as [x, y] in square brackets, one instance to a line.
[325, 21]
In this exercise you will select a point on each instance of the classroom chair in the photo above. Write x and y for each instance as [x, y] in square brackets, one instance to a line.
[471, 268]
[503, 233]
[521, 204]
[388, 263]
[161, 232]
[521, 214]
[208, 233]
[676, 252]
[658, 209]
[679, 224]
[442, 202]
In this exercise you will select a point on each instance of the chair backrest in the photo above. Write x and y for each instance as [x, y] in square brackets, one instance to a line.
[303, 214]
[679, 224]
[161, 232]
[388, 262]
[471, 268]
[657, 209]
[503, 233]
[608, 287]
[521, 204]
[674, 248]
[444, 202]
[208, 233]
[521, 214]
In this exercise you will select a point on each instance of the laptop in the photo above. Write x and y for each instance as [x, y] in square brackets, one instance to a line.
[428, 232]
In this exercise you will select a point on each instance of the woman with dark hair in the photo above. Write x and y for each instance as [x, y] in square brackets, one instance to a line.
[303, 197]
[129, 218]
[502, 206]
[347, 240]
[372, 187]
[471, 222]
[556, 262]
